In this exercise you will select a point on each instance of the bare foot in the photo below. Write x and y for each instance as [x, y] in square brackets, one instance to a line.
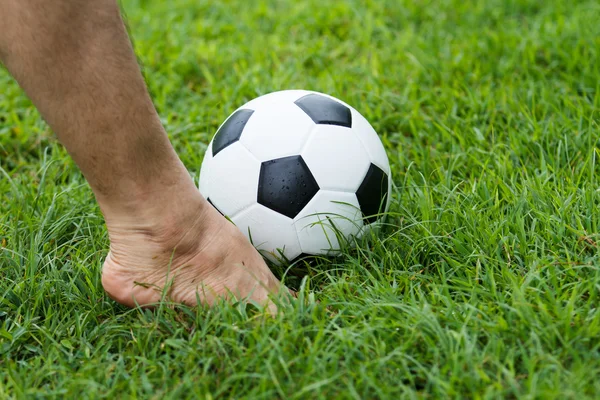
[188, 249]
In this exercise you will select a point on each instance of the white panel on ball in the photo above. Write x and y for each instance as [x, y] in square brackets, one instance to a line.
[336, 158]
[277, 130]
[370, 141]
[232, 179]
[204, 171]
[368, 230]
[328, 215]
[269, 231]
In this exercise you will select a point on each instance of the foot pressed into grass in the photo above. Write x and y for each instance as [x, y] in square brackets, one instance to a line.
[188, 254]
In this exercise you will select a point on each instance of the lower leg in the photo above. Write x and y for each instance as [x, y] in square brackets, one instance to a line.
[74, 60]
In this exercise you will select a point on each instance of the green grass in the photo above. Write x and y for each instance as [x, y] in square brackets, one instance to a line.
[485, 284]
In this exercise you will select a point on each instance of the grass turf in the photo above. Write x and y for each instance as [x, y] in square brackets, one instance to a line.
[484, 285]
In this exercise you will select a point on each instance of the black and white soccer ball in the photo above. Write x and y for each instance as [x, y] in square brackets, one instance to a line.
[297, 172]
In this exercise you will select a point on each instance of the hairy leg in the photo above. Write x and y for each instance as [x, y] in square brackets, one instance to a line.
[74, 60]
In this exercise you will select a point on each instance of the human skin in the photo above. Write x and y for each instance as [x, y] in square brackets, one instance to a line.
[74, 60]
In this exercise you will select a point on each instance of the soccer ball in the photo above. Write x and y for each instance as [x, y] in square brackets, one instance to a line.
[298, 172]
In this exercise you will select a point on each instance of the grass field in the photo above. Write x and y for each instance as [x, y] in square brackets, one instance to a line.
[485, 284]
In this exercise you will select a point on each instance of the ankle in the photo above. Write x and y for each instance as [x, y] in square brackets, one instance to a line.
[164, 204]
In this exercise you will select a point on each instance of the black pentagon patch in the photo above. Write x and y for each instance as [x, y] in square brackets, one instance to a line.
[286, 185]
[323, 110]
[231, 130]
[372, 193]
[212, 204]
